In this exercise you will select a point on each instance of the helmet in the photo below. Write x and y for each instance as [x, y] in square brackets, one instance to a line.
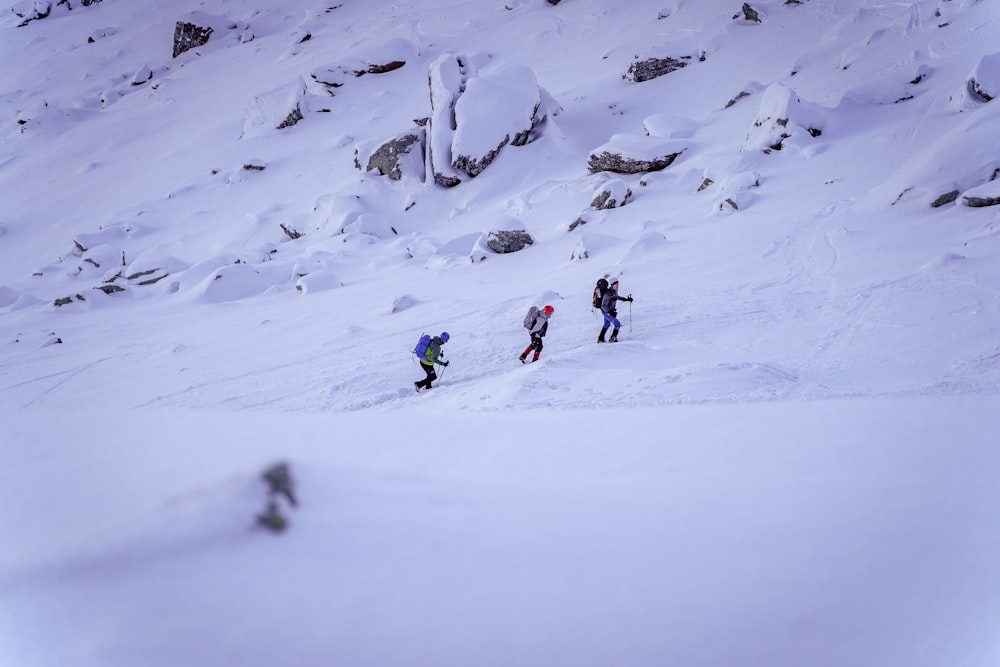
[444, 336]
[549, 310]
[613, 280]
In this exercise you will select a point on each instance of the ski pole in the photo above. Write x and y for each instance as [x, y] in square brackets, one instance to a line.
[630, 314]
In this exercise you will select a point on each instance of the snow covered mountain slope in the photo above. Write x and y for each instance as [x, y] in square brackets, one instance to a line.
[788, 459]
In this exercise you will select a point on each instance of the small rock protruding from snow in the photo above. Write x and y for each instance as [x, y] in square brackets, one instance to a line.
[748, 15]
[612, 194]
[276, 110]
[280, 489]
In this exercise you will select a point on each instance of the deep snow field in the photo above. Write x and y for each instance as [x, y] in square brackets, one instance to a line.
[789, 459]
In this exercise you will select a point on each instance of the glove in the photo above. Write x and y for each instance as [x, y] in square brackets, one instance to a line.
[613, 313]
[444, 363]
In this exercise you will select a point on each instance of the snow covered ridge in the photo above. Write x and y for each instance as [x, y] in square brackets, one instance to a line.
[433, 114]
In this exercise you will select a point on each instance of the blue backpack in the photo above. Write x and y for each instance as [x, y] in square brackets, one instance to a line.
[421, 349]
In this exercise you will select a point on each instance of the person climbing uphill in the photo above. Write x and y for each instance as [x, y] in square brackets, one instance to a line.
[432, 355]
[537, 329]
[609, 308]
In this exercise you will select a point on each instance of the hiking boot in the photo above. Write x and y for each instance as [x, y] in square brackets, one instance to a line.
[534, 359]
[523, 357]
[600, 338]
[417, 386]
[614, 336]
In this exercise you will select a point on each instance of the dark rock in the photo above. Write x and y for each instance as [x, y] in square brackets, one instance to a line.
[502, 242]
[644, 70]
[386, 159]
[279, 482]
[293, 117]
[979, 202]
[189, 36]
[619, 164]
[946, 198]
[291, 233]
[382, 69]
[474, 166]
[977, 90]
[272, 519]
[446, 181]
[749, 13]
[612, 194]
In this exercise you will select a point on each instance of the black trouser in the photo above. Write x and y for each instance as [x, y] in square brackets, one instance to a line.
[536, 345]
[431, 375]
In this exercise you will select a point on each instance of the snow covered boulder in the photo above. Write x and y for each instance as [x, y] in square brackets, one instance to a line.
[495, 109]
[150, 267]
[231, 283]
[403, 154]
[984, 81]
[475, 115]
[736, 192]
[667, 126]
[612, 194]
[317, 281]
[276, 110]
[32, 10]
[371, 225]
[782, 119]
[632, 154]
[508, 235]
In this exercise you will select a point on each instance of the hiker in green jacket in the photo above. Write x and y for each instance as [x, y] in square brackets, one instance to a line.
[432, 355]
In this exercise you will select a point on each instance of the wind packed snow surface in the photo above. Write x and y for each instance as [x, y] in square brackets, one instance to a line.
[218, 262]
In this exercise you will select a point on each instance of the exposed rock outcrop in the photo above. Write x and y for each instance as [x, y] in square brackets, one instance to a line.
[652, 68]
[189, 36]
[403, 154]
[629, 154]
[748, 14]
[508, 235]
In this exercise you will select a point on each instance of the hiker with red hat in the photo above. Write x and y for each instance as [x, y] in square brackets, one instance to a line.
[537, 323]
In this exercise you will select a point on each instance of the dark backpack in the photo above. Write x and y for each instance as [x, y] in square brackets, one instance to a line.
[529, 319]
[599, 290]
[421, 349]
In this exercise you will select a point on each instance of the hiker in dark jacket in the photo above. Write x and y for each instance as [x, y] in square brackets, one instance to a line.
[537, 332]
[609, 308]
[432, 355]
